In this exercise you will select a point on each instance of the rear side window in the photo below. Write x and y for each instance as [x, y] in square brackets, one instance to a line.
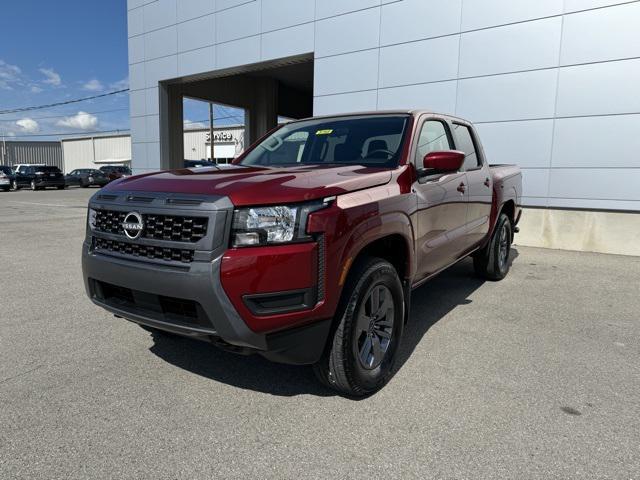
[433, 138]
[464, 142]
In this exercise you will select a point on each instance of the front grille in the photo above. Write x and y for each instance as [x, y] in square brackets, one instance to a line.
[144, 251]
[177, 229]
[158, 227]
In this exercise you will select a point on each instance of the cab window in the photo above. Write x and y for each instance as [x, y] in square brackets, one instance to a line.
[465, 143]
[434, 137]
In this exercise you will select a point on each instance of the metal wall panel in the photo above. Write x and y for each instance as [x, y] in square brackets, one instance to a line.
[92, 152]
[78, 153]
[49, 153]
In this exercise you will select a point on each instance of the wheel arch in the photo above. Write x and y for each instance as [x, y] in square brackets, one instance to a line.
[391, 240]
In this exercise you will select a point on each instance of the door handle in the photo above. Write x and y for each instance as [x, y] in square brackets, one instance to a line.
[487, 182]
[461, 188]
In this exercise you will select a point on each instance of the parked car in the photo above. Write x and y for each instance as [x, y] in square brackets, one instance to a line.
[38, 177]
[17, 166]
[86, 177]
[198, 163]
[113, 172]
[6, 177]
[306, 250]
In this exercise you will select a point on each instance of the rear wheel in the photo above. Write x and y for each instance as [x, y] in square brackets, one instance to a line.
[493, 261]
[61, 187]
[361, 353]
[14, 185]
[33, 185]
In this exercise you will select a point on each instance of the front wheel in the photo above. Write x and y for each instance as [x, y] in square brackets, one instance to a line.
[492, 262]
[33, 185]
[14, 185]
[361, 353]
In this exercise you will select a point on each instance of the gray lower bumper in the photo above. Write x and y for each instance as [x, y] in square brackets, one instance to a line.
[200, 282]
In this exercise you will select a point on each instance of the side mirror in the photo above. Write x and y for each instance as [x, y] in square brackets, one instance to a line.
[445, 161]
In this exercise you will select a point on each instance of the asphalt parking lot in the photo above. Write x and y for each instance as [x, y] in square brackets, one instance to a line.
[537, 376]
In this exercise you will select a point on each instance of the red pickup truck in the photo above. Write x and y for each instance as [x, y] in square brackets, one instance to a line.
[306, 249]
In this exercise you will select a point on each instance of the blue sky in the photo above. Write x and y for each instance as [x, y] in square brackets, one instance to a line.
[52, 51]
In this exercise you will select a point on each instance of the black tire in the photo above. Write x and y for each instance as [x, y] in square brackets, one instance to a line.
[33, 185]
[5, 189]
[61, 187]
[342, 367]
[493, 262]
[15, 186]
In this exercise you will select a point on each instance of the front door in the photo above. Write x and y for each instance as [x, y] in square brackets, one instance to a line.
[442, 204]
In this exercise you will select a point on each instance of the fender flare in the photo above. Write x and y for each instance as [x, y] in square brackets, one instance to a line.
[371, 230]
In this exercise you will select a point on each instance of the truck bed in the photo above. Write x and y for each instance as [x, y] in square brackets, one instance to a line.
[507, 186]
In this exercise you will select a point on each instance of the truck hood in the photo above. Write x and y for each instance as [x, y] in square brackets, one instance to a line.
[246, 185]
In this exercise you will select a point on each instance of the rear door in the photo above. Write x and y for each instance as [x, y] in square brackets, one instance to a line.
[479, 183]
[442, 202]
[22, 175]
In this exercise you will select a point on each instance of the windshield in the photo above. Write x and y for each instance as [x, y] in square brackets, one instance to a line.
[48, 169]
[372, 141]
[5, 170]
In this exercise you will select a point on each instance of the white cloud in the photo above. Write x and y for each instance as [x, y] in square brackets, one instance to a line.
[120, 84]
[189, 125]
[53, 78]
[93, 85]
[35, 89]
[9, 74]
[81, 121]
[28, 125]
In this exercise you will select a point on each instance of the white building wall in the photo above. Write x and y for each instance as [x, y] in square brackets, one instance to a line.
[551, 84]
[93, 152]
[196, 144]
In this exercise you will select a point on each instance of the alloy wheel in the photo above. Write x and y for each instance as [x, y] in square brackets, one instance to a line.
[374, 327]
[503, 249]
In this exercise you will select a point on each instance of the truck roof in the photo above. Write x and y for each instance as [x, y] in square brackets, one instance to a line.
[414, 112]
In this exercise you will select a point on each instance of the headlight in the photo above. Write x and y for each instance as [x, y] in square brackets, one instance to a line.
[271, 225]
[91, 218]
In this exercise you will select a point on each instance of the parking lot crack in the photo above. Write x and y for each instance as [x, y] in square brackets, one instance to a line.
[21, 374]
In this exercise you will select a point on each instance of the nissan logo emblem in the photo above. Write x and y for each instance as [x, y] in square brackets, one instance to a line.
[133, 225]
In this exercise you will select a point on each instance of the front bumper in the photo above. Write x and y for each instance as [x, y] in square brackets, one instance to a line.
[47, 182]
[221, 323]
[189, 298]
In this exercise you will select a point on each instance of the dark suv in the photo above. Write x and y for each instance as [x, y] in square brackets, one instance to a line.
[85, 177]
[113, 172]
[38, 176]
